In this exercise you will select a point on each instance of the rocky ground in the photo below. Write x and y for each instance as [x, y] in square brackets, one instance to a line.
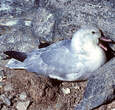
[28, 24]
[21, 90]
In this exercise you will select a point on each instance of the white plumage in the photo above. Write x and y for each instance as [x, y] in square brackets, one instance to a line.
[67, 60]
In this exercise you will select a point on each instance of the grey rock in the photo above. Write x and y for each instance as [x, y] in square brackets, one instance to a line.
[8, 87]
[66, 91]
[1, 85]
[22, 105]
[15, 7]
[16, 34]
[59, 19]
[7, 23]
[5, 100]
[43, 25]
[1, 74]
[2, 77]
[73, 13]
[18, 39]
[100, 88]
[23, 96]
[4, 108]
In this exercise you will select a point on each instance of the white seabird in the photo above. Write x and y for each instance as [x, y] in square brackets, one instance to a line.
[66, 60]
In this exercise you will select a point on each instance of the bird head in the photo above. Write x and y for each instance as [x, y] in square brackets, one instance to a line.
[87, 38]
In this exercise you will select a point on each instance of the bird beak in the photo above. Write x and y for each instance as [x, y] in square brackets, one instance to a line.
[103, 40]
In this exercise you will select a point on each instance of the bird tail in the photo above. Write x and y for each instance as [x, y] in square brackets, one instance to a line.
[17, 59]
[21, 56]
[15, 64]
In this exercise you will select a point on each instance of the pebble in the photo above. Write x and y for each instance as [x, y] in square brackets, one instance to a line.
[66, 91]
[4, 108]
[5, 99]
[23, 96]
[58, 106]
[8, 87]
[76, 86]
[23, 105]
[28, 23]
[1, 69]
[1, 75]
[1, 85]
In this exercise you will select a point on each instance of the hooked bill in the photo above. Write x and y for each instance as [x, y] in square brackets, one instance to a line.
[104, 39]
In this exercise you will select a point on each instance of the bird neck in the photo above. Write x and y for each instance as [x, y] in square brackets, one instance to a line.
[81, 46]
[76, 45]
[94, 53]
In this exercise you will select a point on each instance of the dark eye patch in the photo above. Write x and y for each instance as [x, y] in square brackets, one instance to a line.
[93, 32]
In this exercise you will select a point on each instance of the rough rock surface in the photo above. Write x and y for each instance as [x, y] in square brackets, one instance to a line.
[74, 13]
[15, 25]
[43, 25]
[34, 92]
[20, 40]
[50, 21]
[41, 92]
[15, 7]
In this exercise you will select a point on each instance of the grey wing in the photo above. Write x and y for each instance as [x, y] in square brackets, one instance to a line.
[50, 47]
[54, 61]
[54, 56]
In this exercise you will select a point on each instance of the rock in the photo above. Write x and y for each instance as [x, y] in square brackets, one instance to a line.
[55, 20]
[43, 25]
[22, 105]
[4, 108]
[1, 85]
[1, 75]
[111, 106]
[66, 91]
[15, 25]
[100, 88]
[5, 100]
[7, 23]
[58, 106]
[8, 87]
[19, 40]
[13, 8]
[73, 13]
[23, 96]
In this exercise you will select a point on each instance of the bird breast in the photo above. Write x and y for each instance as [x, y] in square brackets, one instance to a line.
[96, 58]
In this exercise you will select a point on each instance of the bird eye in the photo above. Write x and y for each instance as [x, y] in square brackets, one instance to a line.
[93, 32]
